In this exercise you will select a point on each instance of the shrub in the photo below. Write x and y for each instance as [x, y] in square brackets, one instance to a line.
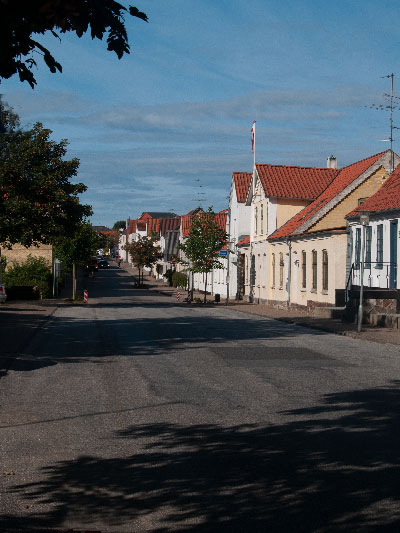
[35, 272]
[179, 280]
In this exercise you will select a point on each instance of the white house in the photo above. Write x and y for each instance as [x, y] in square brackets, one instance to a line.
[379, 237]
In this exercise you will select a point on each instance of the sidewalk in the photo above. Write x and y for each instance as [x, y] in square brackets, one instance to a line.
[291, 316]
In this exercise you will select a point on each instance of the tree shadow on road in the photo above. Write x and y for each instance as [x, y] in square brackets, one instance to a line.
[331, 467]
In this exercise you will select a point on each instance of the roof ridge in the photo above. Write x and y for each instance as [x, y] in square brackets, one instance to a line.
[305, 218]
[296, 166]
[378, 156]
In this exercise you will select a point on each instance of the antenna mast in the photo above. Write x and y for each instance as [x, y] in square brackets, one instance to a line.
[391, 96]
[391, 122]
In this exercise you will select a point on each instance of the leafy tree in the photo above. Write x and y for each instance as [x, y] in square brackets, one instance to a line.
[110, 238]
[38, 202]
[120, 224]
[78, 249]
[20, 19]
[206, 238]
[144, 253]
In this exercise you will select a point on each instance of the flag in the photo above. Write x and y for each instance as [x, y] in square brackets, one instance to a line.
[253, 135]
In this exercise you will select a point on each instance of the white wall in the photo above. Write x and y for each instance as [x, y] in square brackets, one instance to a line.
[374, 276]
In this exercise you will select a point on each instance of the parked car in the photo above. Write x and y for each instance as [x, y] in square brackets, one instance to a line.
[3, 294]
[103, 264]
[92, 265]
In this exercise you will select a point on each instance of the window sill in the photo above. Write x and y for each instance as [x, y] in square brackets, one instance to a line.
[324, 292]
[303, 290]
[314, 291]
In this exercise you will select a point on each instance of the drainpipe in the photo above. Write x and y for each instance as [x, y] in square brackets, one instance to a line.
[289, 243]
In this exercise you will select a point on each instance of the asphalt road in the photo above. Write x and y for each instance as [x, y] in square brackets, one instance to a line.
[135, 413]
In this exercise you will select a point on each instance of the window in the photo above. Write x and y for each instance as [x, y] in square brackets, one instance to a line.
[314, 270]
[262, 220]
[357, 248]
[281, 266]
[304, 269]
[368, 239]
[362, 200]
[379, 245]
[273, 270]
[256, 221]
[247, 269]
[324, 270]
[266, 217]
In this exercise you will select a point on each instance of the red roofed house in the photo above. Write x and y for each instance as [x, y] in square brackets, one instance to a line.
[381, 249]
[239, 228]
[308, 255]
[277, 193]
[169, 239]
[149, 222]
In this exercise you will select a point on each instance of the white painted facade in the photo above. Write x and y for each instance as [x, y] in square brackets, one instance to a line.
[381, 258]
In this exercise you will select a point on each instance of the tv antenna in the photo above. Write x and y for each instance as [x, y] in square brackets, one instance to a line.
[200, 194]
[391, 99]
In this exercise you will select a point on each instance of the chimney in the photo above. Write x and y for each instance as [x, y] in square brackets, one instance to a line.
[331, 162]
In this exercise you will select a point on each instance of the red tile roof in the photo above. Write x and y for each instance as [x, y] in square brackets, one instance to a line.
[153, 225]
[242, 183]
[387, 197]
[244, 241]
[345, 177]
[169, 224]
[186, 221]
[130, 226]
[283, 181]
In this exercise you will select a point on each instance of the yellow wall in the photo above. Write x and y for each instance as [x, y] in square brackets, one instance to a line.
[336, 246]
[335, 218]
[287, 209]
[276, 291]
[19, 253]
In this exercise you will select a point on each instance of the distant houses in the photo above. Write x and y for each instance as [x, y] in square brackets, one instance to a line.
[295, 234]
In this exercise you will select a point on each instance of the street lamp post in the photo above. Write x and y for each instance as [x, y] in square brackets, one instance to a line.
[364, 221]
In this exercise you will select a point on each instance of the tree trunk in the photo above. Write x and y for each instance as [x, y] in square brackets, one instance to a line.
[205, 290]
[73, 281]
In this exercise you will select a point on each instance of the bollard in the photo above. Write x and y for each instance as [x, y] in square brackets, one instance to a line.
[85, 296]
[178, 296]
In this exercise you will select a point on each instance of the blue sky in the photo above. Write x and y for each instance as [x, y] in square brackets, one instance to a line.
[169, 123]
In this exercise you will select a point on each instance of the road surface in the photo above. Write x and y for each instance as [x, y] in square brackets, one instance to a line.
[135, 413]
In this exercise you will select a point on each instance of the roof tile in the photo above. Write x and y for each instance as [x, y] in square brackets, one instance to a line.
[345, 177]
[242, 183]
[283, 181]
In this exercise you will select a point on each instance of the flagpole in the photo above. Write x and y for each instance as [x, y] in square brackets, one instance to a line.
[253, 143]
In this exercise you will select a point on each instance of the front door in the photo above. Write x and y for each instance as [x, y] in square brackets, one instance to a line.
[393, 254]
